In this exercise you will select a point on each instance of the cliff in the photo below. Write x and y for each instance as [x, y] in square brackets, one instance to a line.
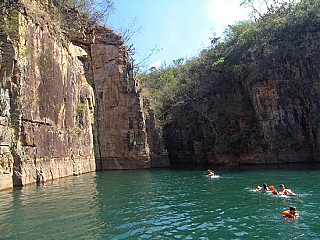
[252, 98]
[68, 98]
[284, 89]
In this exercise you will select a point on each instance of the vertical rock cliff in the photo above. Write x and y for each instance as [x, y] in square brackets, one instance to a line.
[68, 97]
[284, 87]
[254, 98]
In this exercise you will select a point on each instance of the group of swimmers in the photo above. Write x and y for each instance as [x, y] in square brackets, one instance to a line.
[291, 213]
[283, 190]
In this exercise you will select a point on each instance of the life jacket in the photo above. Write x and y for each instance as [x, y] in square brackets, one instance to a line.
[271, 187]
[288, 214]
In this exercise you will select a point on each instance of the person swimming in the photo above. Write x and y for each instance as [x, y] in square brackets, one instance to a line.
[210, 173]
[285, 191]
[291, 213]
[264, 188]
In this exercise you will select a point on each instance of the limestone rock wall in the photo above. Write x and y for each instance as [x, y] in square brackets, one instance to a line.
[288, 120]
[46, 116]
[123, 138]
[158, 153]
[285, 93]
[68, 98]
[123, 141]
[277, 119]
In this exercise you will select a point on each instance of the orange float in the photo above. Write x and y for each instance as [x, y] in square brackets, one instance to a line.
[288, 214]
[271, 187]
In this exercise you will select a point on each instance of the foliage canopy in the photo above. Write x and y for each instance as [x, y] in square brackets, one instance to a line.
[208, 97]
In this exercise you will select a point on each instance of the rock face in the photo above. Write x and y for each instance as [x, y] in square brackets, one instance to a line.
[120, 122]
[68, 100]
[284, 89]
[280, 80]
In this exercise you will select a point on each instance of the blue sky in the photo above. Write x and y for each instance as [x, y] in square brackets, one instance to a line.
[178, 28]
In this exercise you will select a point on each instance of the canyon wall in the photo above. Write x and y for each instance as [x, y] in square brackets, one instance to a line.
[285, 93]
[258, 97]
[69, 100]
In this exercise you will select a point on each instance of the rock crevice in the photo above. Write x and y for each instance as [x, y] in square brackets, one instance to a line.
[68, 99]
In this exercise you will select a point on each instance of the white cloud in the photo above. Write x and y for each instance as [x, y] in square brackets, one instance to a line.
[156, 64]
[225, 12]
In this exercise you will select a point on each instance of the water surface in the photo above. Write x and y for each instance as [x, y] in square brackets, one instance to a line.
[164, 204]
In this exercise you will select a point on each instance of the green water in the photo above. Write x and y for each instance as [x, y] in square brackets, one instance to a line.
[164, 204]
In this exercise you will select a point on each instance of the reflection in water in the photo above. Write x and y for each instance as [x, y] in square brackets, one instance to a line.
[51, 210]
[6, 210]
[163, 204]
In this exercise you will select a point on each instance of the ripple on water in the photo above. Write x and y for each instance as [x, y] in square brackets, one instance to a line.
[162, 204]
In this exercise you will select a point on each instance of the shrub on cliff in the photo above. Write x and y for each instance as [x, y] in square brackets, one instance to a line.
[208, 98]
[96, 10]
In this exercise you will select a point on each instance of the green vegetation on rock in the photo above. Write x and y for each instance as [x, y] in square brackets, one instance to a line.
[210, 98]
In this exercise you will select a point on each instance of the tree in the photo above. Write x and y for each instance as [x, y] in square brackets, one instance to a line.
[97, 11]
[267, 7]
